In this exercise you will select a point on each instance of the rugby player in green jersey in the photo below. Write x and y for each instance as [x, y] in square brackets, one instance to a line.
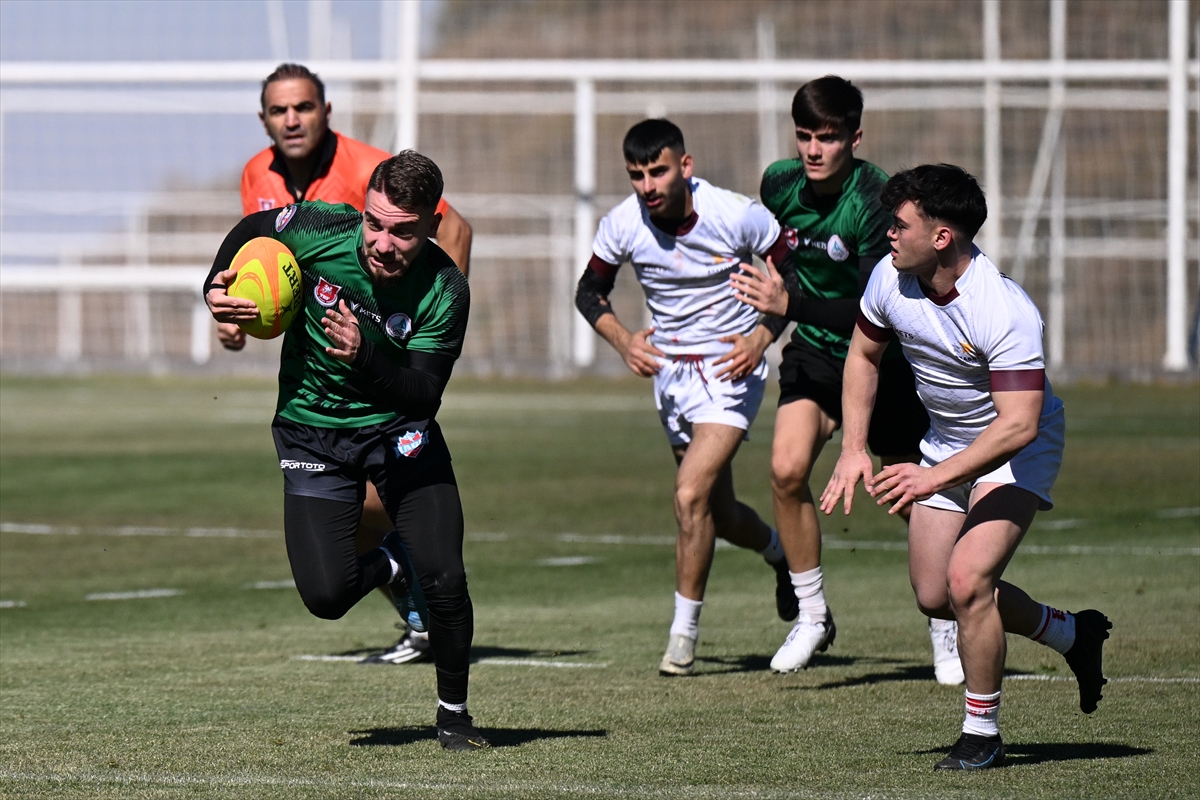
[828, 204]
[361, 378]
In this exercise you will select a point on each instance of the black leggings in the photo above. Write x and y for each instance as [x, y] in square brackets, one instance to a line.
[332, 577]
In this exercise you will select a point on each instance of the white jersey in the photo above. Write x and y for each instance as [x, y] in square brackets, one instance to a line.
[985, 335]
[685, 274]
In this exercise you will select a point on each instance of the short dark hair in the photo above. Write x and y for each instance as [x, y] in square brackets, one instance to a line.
[290, 72]
[646, 140]
[828, 102]
[409, 180]
[940, 191]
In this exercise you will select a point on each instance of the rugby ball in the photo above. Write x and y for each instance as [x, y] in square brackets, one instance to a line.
[268, 274]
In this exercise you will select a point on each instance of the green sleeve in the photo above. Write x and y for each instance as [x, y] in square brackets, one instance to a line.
[311, 229]
[443, 325]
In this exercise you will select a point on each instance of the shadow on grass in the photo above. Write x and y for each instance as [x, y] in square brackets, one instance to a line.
[1040, 752]
[499, 737]
[760, 663]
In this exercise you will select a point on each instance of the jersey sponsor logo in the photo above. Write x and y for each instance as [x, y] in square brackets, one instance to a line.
[409, 443]
[399, 327]
[791, 238]
[284, 218]
[969, 353]
[266, 203]
[307, 466]
[326, 293]
[357, 308]
[835, 248]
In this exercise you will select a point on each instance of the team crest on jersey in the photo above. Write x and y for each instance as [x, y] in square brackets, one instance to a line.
[791, 238]
[326, 292]
[266, 203]
[409, 443]
[284, 218]
[399, 327]
[837, 249]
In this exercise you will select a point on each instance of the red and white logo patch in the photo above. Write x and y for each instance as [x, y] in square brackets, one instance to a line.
[792, 239]
[326, 292]
[409, 444]
[284, 218]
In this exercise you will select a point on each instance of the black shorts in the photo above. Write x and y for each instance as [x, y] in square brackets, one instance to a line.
[335, 463]
[899, 420]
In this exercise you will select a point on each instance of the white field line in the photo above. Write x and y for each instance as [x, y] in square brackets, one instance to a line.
[487, 789]
[566, 561]
[1130, 679]
[504, 662]
[327, 658]
[141, 594]
[12, 603]
[1178, 513]
[288, 584]
[132, 530]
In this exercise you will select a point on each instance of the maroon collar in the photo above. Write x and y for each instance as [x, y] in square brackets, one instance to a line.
[939, 300]
[676, 229]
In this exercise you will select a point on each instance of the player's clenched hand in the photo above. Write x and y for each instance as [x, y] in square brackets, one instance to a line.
[341, 326]
[640, 355]
[225, 308]
[902, 484]
[231, 336]
[850, 469]
[762, 290]
[745, 355]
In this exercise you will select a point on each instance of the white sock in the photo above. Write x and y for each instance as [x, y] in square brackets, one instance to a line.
[460, 708]
[1056, 630]
[395, 565]
[687, 617]
[983, 714]
[810, 593]
[773, 552]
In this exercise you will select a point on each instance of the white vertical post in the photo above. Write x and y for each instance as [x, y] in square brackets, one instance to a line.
[408, 55]
[583, 348]
[993, 229]
[1176, 357]
[1056, 268]
[768, 127]
[277, 30]
[201, 333]
[70, 325]
[561, 313]
[320, 25]
[137, 303]
[1057, 264]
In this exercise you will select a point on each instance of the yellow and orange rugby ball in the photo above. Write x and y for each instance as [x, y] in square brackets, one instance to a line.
[268, 274]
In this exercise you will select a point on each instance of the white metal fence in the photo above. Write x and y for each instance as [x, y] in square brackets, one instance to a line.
[1103, 248]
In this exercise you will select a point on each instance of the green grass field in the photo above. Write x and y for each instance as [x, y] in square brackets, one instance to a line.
[118, 484]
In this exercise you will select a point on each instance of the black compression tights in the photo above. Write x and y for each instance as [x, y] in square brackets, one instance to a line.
[332, 577]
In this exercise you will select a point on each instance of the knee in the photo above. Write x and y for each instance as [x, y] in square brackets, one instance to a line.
[325, 602]
[967, 589]
[690, 501]
[789, 476]
[446, 591]
[934, 601]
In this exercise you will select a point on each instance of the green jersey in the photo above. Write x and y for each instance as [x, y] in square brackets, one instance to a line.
[426, 310]
[828, 235]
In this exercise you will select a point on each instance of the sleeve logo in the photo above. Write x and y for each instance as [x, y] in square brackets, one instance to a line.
[284, 218]
[326, 293]
[409, 443]
[399, 327]
[837, 249]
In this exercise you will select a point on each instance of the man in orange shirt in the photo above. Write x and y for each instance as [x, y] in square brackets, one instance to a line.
[308, 161]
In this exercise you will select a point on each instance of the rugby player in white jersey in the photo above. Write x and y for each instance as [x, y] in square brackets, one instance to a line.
[993, 449]
[704, 349]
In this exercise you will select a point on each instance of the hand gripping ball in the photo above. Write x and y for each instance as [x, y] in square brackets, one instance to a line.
[268, 274]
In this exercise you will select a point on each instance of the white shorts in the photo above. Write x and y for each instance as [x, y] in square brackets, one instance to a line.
[687, 392]
[1034, 468]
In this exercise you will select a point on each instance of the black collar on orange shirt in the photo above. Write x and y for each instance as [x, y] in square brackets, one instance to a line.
[326, 149]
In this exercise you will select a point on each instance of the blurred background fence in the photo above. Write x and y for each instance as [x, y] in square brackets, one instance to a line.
[124, 127]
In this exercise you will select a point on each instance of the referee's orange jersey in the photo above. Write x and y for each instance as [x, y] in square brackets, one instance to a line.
[343, 168]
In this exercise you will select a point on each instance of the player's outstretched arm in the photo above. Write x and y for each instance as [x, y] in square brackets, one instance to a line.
[762, 289]
[455, 236]
[860, 379]
[591, 298]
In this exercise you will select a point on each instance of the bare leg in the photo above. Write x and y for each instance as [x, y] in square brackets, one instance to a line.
[801, 430]
[701, 465]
